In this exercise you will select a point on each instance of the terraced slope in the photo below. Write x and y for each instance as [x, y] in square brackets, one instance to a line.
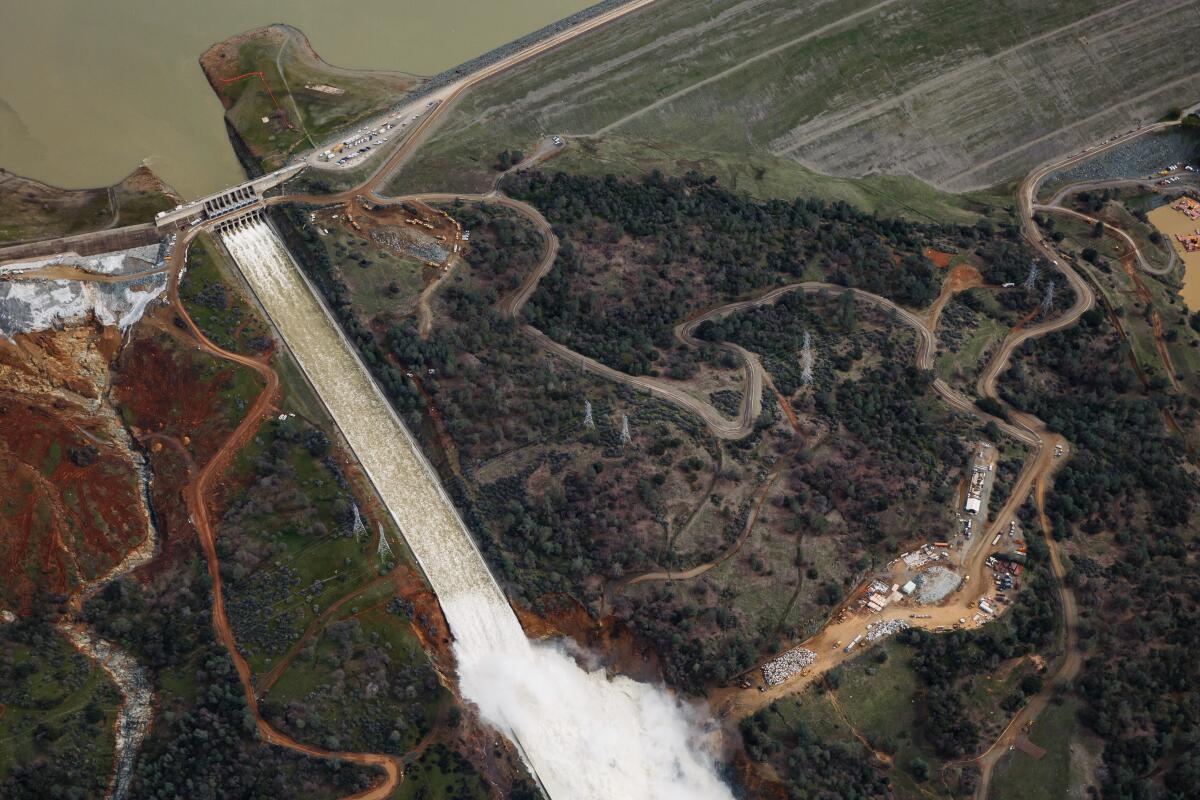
[963, 95]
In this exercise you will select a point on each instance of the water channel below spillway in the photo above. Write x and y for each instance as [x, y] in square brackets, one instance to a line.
[587, 737]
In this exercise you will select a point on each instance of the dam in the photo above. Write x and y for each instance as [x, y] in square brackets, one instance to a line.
[584, 736]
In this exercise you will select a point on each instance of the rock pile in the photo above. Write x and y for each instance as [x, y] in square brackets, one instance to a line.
[885, 627]
[778, 670]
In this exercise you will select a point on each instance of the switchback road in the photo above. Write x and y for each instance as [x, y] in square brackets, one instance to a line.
[1023, 426]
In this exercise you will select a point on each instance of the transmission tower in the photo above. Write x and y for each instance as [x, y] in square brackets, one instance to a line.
[806, 361]
[1031, 278]
[359, 527]
[626, 438]
[1048, 298]
[384, 549]
[589, 421]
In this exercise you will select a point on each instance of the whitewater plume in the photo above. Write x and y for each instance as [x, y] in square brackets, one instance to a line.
[586, 737]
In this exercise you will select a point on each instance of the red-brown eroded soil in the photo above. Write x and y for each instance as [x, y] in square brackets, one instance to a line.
[69, 512]
[750, 776]
[167, 387]
[623, 652]
[938, 258]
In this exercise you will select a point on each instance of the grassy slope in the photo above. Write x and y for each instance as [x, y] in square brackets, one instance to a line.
[1060, 774]
[370, 281]
[340, 562]
[33, 210]
[224, 316]
[283, 56]
[878, 700]
[441, 775]
[352, 701]
[46, 701]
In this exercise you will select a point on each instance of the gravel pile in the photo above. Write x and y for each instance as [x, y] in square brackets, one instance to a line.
[780, 669]
[885, 627]
[935, 583]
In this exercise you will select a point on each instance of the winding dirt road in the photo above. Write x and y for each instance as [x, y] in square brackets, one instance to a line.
[687, 574]
[1024, 427]
[195, 494]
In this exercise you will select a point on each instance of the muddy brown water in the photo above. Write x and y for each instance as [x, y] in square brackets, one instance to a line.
[1170, 223]
[90, 90]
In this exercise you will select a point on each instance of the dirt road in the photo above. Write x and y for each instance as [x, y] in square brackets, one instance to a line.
[1038, 469]
[687, 574]
[1112, 230]
[424, 311]
[754, 377]
[1035, 472]
[69, 272]
[281, 664]
[1023, 426]
[1067, 668]
[195, 496]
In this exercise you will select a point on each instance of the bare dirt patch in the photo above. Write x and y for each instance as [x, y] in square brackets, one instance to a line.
[938, 257]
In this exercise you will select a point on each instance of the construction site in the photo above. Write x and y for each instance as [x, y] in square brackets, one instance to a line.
[413, 229]
[1190, 208]
[1177, 223]
[922, 583]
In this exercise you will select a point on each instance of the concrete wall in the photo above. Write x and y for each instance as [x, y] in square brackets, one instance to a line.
[86, 244]
[231, 199]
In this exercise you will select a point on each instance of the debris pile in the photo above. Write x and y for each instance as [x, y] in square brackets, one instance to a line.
[779, 669]
[402, 242]
[919, 558]
[934, 584]
[885, 627]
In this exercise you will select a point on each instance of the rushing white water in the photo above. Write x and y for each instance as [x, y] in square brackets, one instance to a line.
[585, 736]
[136, 711]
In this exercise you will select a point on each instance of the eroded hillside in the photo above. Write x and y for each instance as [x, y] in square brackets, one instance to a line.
[78, 508]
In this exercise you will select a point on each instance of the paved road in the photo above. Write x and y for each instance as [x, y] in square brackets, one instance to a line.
[444, 97]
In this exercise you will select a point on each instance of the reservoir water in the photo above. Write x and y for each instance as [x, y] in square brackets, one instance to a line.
[90, 90]
[585, 736]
